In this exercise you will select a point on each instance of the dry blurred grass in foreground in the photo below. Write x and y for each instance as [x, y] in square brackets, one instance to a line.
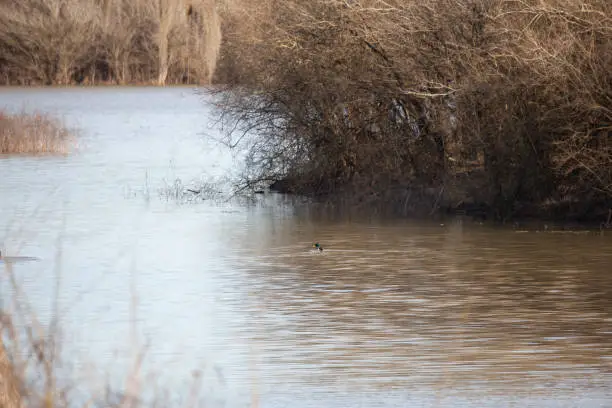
[32, 370]
[36, 372]
[34, 133]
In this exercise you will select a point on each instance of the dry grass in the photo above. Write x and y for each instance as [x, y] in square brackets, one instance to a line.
[59, 42]
[9, 385]
[23, 352]
[32, 371]
[36, 371]
[35, 133]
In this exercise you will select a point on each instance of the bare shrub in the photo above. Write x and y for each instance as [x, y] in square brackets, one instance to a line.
[501, 104]
[46, 40]
[93, 41]
[32, 134]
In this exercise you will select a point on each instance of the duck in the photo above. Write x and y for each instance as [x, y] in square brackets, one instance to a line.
[317, 247]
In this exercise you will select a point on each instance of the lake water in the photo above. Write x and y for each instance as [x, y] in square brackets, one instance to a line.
[391, 313]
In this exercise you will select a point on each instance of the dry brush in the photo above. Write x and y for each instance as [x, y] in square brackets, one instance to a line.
[58, 42]
[33, 133]
[501, 104]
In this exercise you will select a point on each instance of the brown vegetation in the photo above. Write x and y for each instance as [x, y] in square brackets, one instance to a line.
[9, 385]
[498, 104]
[59, 42]
[33, 372]
[32, 134]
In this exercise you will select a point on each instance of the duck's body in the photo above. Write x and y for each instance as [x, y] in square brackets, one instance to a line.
[317, 247]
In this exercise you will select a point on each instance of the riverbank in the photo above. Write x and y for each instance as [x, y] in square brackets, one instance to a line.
[439, 202]
[456, 197]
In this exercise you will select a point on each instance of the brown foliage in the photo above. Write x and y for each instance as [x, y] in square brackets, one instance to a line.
[32, 134]
[502, 103]
[54, 42]
[9, 385]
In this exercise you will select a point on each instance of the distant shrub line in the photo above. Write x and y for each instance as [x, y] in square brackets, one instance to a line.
[62, 42]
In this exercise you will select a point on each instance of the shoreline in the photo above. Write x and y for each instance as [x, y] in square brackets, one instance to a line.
[387, 202]
[554, 219]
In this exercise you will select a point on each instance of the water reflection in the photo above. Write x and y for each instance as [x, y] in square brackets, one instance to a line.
[415, 306]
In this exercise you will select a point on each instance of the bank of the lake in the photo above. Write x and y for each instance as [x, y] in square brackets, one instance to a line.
[433, 201]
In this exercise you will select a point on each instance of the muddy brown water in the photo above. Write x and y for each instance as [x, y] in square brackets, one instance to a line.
[391, 313]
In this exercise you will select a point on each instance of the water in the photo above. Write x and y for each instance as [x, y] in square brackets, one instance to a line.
[391, 313]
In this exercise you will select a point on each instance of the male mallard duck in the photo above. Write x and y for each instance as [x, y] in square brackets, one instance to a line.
[317, 246]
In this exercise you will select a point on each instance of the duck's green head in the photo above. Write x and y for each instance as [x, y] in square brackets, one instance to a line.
[317, 246]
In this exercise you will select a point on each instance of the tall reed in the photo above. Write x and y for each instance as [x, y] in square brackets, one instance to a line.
[34, 133]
